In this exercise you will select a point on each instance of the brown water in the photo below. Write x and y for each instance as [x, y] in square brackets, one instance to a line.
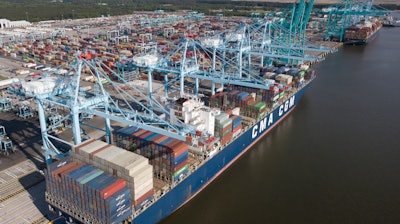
[335, 159]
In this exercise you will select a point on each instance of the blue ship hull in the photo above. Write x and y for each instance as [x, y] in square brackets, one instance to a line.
[212, 168]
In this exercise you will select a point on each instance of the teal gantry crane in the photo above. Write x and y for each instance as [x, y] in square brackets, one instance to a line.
[347, 13]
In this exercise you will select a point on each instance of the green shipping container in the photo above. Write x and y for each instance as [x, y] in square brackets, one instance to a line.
[91, 177]
[260, 106]
[177, 173]
[224, 124]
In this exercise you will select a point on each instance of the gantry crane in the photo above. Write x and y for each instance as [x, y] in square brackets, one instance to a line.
[267, 37]
[295, 21]
[108, 102]
[232, 57]
[347, 13]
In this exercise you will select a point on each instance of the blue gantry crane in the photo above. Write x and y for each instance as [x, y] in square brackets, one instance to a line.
[107, 101]
[231, 57]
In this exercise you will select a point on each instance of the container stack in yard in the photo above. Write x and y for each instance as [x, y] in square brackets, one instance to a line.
[168, 156]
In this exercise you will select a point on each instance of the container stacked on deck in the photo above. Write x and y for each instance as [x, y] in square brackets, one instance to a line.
[362, 31]
[168, 156]
[273, 96]
[298, 77]
[254, 104]
[235, 97]
[91, 195]
[284, 79]
[133, 168]
[257, 109]
[223, 127]
[219, 100]
[309, 74]
[247, 95]
[236, 125]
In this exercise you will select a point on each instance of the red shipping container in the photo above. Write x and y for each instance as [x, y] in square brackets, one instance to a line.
[145, 134]
[138, 133]
[178, 167]
[112, 188]
[143, 197]
[63, 168]
[225, 129]
[226, 138]
[237, 129]
[179, 148]
[169, 145]
[160, 139]
[76, 166]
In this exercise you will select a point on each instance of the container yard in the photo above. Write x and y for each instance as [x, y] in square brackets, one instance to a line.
[139, 113]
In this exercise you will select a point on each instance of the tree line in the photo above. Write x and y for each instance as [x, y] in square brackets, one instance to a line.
[38, 10]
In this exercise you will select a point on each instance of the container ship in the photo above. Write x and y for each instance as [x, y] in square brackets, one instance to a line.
[144, 176]
[391, 21]
[362, 33]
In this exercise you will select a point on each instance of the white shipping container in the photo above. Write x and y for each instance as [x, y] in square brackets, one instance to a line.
[125, 158]
[129, 169]
[236, 111]
[146, 170]
[146, 173]
[269, 81]
[222, 117]
[143, 189]
[107, 154]
[89, 148]
[284, 79]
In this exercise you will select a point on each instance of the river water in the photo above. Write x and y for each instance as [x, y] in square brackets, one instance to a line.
[335, 159]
